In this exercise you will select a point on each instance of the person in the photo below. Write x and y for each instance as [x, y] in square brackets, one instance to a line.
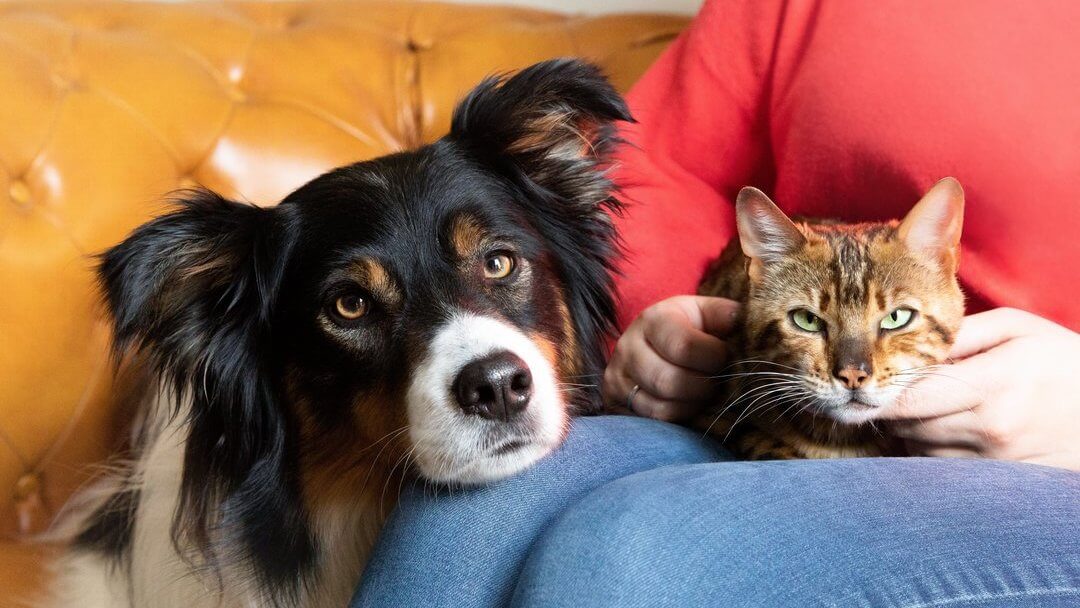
[842, 109]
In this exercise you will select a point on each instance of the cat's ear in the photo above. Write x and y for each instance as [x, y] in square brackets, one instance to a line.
[765, 233]
[933, 226]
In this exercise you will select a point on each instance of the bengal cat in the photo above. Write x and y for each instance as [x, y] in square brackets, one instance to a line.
[837, 320]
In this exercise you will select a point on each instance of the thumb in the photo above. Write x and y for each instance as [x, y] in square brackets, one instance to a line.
[717, 314]
[985, 330]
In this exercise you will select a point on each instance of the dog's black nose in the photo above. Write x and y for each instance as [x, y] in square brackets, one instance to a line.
[497, 387]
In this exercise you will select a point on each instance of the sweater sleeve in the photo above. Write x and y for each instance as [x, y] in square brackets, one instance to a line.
[701, 135]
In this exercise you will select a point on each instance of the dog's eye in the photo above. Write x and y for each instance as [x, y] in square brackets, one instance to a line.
[351, 306]
[498, 265]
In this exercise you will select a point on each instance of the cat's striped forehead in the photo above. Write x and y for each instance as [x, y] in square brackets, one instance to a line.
[856, 253]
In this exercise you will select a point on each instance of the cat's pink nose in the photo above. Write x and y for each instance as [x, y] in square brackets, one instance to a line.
[853, 377]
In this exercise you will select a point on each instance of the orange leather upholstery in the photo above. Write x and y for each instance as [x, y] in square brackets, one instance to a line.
[107, 106]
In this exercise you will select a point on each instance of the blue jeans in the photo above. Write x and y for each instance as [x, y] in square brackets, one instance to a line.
[632, 512]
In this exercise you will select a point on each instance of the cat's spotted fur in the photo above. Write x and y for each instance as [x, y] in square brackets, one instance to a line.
[795, 393]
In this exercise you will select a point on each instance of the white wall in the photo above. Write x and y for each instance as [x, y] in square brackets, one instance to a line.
[685, 7]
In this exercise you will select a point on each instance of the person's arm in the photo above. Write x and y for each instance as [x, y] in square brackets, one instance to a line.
[1008, 396]
[702, 134]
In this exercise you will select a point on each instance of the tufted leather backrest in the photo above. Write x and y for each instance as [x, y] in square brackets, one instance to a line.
[107, 106]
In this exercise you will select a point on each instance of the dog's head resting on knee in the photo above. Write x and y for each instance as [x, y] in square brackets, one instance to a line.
[440, 311]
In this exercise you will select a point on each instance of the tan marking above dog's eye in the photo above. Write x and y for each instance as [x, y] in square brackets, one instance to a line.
[498, 265]
[351, 306]
[467, 236]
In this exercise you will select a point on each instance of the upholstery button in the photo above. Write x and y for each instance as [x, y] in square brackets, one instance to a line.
[30, 511]
[27, 486]
[283, 22]
[19, 192]
[415, 46]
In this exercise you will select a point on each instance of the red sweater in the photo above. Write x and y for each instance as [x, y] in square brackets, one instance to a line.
[852, 109]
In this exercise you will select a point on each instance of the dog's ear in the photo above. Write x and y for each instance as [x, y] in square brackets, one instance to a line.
[552, 123]
[551, 129]
[195, 290]
[193, 277]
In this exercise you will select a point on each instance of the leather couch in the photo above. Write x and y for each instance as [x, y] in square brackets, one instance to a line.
[105, 107]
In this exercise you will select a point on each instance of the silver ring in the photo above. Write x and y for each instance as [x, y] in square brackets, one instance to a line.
[630, 397]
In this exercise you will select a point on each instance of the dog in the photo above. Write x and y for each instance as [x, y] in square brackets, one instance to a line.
[429, 314]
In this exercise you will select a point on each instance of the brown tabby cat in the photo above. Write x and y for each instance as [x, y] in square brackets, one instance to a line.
[837, 320]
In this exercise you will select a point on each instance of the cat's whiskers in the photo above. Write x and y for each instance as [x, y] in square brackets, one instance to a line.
[755, 390]
[777, 392]
[747, 374]
[874, 427]
[807, 398]
[809, 404]
[771, 398]
[785, 396]
[768, 385]
[765, 362]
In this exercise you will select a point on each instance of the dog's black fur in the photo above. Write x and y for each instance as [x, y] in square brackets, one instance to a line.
[223, 298]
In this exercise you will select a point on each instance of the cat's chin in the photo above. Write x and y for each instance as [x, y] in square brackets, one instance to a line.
[857, 407]
[853, 412]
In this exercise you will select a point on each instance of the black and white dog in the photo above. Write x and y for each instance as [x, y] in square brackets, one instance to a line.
[423, 314]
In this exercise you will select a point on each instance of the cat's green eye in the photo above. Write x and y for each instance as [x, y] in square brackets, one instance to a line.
[807, 321]
[897, 318]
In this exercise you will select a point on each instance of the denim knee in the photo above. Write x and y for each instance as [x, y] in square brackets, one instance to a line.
[867, 532]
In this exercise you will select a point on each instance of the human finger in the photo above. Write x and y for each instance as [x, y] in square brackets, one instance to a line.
[948, 390]
[684, 345]
[918, 448]
[965, 427]
[666, 380]
[983, 331]
[646, 404]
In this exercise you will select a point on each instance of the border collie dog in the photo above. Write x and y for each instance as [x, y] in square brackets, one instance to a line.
[424, 315]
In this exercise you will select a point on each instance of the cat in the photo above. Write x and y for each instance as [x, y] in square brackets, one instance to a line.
[837, 320]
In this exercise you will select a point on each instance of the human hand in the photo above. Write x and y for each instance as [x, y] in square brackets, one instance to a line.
[1012, 394]
[670, 351]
